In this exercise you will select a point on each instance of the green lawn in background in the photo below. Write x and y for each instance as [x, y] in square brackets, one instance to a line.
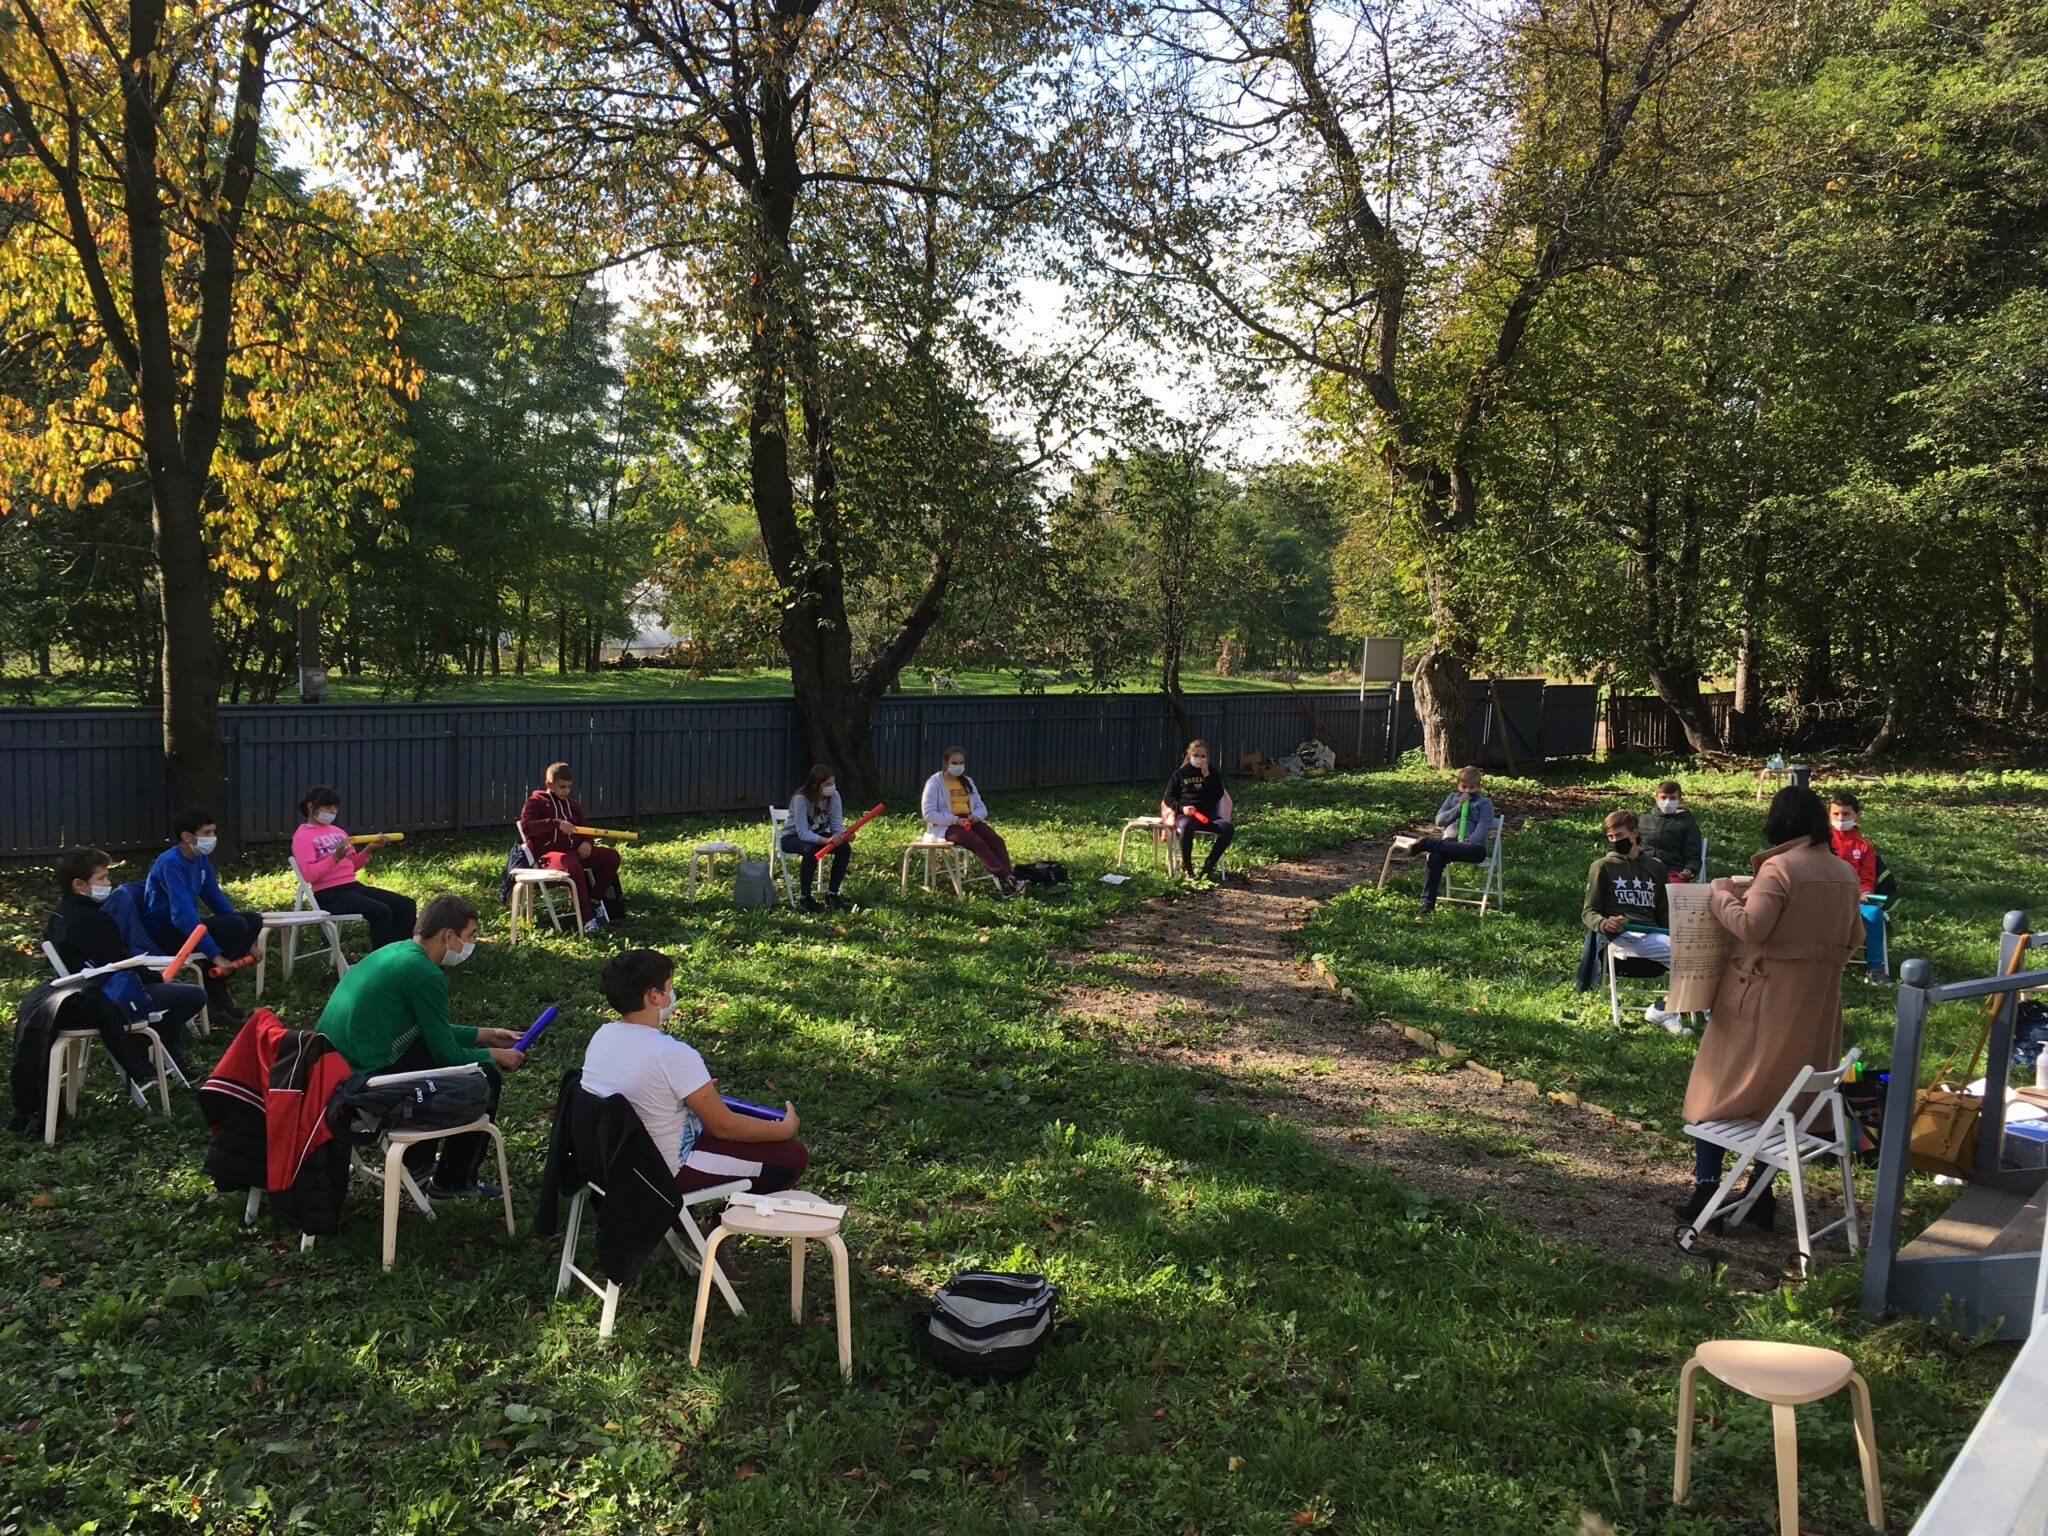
[620, 686]
[1253, 1338]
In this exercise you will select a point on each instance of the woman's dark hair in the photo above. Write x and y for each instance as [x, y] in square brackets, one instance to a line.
[820, 772]
[319, 795]
[631, 974]
[1796, 811]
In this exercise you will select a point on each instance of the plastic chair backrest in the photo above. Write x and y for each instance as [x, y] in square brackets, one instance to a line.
[1823, 1085]
[56, 960]
[302, 898]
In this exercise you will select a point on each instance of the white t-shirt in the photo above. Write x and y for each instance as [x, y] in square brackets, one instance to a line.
[656, 1072]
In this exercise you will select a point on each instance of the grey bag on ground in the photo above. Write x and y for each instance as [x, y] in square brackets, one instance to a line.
[753, 885]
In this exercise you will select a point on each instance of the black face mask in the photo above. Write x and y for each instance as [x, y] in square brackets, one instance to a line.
[1621, 845]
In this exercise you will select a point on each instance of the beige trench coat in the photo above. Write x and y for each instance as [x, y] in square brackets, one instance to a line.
[1779, 1003]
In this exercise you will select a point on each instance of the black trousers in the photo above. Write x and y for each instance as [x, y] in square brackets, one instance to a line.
[454, 1158]
[1220, 833]
[234, 932]
[390, 915]
[1438, 852]
[807, 867]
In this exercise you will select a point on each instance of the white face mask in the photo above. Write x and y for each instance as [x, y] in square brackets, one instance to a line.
[1846, 826]
[207, 844]
[100, 892]
[1668, 806]
[956, 769]
[325, 818]
[455, 954]
[828, 791]
[668, 1007]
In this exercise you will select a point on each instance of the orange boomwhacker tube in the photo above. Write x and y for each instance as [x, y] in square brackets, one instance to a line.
[184, 954]
[833, 842]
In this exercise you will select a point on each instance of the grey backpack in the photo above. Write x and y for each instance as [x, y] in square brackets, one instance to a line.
[753, 885]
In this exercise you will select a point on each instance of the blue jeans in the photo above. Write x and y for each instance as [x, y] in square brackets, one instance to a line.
[1873, 937]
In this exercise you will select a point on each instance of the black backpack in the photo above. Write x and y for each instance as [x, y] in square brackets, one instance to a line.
[360, 1113]
[1042, 872]
[984, 1324]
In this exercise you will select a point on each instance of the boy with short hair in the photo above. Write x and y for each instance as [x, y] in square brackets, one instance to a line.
[181, 878]
[1467, 818]
[1856, 850]
[85, 936]
[703, 1140]
[1673, 836]
[1626, 885]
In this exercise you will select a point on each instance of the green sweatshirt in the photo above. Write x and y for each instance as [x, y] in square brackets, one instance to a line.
[1627, 888]
[389, 999]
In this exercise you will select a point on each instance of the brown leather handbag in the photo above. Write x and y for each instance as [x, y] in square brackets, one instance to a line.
[1945, 1115]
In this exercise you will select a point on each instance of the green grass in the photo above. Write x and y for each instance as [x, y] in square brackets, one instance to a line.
[1253, 1338]
[17, 688]
[1966, 850]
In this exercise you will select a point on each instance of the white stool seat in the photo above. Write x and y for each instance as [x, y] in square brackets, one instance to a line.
[524, 883]
[799, 1227]
[958, 865]
[288, 926]
[1136, 824]
[710, 853]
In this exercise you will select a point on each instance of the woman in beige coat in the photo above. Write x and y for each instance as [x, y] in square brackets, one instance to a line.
[1778, 1006]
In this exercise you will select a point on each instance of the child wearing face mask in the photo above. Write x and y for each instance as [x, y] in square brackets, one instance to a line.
[703, 1140]
[1673, 836]
[1860, 854]
[953, 809]
[1196, 802]
[1624, 887]
[85, 936]
[815, 818]
[390, 1013]
[178, 882]
[329, 862]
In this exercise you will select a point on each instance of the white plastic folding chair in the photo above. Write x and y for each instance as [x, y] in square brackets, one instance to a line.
[1785, 1140]
[691, 1258]
[778, 823]
[72, 1049]
[1491, 887]
[394, 1177]
[305, 912]
[1633, 983]
[529, 879]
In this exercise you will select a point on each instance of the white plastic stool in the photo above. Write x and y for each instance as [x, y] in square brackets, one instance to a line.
[68, 1054]
[1149, 823]
[1782, 1375]
[799, 1227]
[709, 853]
[524, 883]
[397, 1178]
[288, 925]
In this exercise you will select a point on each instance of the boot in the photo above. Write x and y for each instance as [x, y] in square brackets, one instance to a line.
[220, 1003]
[1689, 1212]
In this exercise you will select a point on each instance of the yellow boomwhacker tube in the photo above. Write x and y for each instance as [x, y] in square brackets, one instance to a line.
[624, 837]
[361, 838]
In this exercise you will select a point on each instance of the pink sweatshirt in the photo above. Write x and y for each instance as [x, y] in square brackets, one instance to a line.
[325, 857]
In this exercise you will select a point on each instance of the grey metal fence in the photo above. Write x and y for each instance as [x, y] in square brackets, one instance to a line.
[97, 774]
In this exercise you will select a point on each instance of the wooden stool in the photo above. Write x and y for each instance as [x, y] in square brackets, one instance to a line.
[959, 865]
[709, 853]
[1136, 823]
[396, 1178]
[799, 1227]
[1782, 1375]
[524, 883]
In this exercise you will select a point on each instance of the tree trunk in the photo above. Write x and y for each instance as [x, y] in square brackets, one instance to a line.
[1746, 719]
[519, 642]
[193, 756]
[2037, 615]
[1441, 676]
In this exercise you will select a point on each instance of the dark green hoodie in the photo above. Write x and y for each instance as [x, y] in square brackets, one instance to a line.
[1631, 888]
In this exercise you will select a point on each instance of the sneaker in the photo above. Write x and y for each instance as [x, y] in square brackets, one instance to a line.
[1425, 909]
[590, 927]
[1876, 978]
[476, 1191]
[836, 901]
[811, 904]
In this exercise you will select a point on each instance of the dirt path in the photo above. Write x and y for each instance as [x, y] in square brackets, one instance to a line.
[1251, 1009]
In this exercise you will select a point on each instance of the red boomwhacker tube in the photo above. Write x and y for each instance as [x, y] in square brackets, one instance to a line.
[191, 943]
[833, 842]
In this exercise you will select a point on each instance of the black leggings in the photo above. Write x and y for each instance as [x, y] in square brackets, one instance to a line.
[390, 915]
[1220, 832]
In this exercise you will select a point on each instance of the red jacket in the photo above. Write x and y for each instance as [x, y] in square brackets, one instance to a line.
[537, 820]
[289, 1075]
[1859, 853]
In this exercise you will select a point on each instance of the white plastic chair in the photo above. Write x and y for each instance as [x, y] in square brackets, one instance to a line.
[778, 823]
[691, 1261]
[1635, 985]
[1786, 1141]
[1490, 888]
[525, 882]
[394, 1177]
[72, 1050]
[305, 912]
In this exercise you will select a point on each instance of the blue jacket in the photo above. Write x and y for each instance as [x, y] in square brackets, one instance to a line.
[174, 889]
[1478, 819]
